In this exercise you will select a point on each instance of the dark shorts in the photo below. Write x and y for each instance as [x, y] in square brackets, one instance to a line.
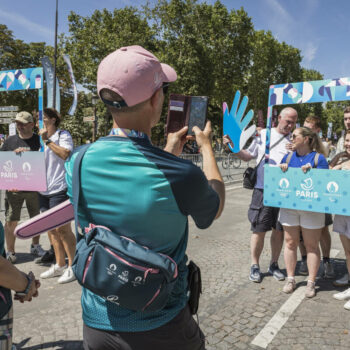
[328, 219]
[49, 201]
[262, 218]
[14, 202]
[182, 332]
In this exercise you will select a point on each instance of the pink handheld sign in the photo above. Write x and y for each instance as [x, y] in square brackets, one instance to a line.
[25, 171]
[50, 219]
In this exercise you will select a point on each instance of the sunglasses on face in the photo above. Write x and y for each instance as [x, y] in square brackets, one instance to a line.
[165, 88]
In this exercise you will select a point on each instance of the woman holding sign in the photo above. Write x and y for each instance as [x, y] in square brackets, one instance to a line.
[309, 153]
[341, 222]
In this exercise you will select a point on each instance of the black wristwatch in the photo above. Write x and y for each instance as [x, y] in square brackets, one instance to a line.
[48, 142]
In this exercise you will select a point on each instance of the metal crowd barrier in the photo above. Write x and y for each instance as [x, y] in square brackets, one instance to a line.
[230, 166]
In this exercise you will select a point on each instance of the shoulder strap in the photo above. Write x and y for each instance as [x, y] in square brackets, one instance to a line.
[290, 154]
[76, 183]
[317, 156]
[277, 142]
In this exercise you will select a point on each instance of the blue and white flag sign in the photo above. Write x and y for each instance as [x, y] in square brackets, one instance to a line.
[74, 85]
[318, 190]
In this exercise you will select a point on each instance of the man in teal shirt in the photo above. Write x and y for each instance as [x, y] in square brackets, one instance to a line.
[146, 193]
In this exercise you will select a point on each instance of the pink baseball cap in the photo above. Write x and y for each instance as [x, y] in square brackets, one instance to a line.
[133, 73]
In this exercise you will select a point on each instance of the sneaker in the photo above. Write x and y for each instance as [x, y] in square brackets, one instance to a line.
[10, 256]
[328, 269]
[53, 271]
[347, 305]
[310, 291]
[37, 250]
[290, 285]
[303, 270]
[68, 276]
[255, 274]
[48, 257]
[342, 282]
[342, 295]
[275, 271]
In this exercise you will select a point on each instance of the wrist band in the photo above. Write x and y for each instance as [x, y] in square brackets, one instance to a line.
[30, 279]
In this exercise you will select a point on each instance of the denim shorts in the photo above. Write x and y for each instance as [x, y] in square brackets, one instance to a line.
[49, 201]
[262, 218]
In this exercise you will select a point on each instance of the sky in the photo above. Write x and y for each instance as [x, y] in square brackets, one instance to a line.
[319, 28]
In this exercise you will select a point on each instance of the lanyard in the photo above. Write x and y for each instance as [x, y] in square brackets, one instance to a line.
[127, 133]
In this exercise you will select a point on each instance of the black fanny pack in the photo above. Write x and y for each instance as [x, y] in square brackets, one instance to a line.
[194, 286]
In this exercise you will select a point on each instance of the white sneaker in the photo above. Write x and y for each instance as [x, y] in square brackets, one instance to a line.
[36, 249]
[68, 276]
[347, 305]
[342, 282]
[10, 256]
[342, 295]
[53, 271]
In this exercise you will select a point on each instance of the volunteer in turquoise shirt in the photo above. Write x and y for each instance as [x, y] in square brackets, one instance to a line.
[146, 194]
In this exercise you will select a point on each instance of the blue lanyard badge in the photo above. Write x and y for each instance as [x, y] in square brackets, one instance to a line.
[127, 133]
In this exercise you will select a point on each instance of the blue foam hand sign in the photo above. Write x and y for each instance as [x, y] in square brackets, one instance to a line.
[235, 123]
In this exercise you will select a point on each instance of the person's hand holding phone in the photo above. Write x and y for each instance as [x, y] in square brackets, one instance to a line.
[203, 138]
[176, 141]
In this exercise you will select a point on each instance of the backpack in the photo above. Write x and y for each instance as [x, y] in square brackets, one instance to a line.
[317, 156]
[117, 268]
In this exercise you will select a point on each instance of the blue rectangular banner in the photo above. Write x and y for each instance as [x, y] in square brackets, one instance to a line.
[318, 190]
[21, 79]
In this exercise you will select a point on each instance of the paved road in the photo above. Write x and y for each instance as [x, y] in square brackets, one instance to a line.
[233, 310]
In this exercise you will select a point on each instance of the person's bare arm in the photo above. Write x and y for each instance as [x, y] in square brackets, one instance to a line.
[12, 278]
[336, 167]
[243, 154]
[210, 167]
[61, 152]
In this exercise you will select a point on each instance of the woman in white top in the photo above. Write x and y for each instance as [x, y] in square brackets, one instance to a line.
[58, 146]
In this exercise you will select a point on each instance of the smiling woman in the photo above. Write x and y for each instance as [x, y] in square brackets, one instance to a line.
[309, 153]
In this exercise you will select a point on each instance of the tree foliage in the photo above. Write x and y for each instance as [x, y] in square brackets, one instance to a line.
[215, 51]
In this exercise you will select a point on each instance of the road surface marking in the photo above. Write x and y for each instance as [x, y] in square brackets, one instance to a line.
[266, 335]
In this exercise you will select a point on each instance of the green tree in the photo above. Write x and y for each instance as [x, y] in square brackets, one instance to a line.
[334, 113]
[272, 63]
[307, 109]
[209, 47]
[16, 54]
[92, 38]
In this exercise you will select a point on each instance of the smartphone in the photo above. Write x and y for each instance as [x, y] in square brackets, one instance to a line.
[198, 113]
[186, 111]
[177, 112]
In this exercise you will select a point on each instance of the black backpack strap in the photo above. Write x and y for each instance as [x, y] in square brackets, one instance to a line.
[76, 184]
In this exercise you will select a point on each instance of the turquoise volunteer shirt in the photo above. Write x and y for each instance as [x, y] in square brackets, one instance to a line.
[146, 194]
